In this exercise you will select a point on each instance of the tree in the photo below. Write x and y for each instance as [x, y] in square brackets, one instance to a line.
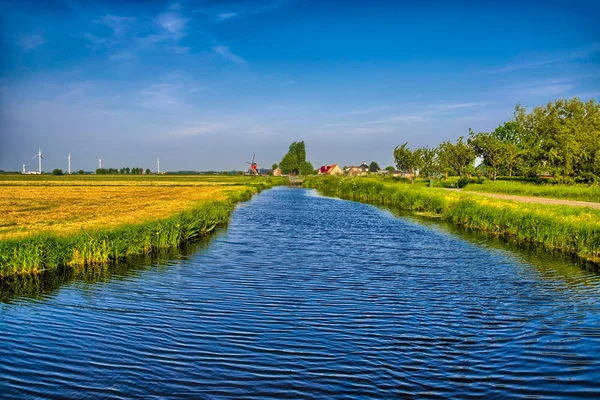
[390, 168]
[456, 156]
[493, 151]
[57, 171]
[127, 170]
[374, 167]
[81, 172]
[148, 172]
[306, 168]
[101, 171]
[430, 165]
[289, 164]
[407, 160]
[274, 166]
[562, 137]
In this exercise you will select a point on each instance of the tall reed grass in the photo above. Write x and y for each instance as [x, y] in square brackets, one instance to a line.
[573, 230]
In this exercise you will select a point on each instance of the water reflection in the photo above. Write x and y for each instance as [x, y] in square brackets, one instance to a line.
[48, 283]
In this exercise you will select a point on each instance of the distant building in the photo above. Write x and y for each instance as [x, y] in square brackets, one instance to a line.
[330, 170]
[277, 172]
[362, 169]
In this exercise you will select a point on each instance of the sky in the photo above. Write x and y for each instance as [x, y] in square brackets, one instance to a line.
[203, 85]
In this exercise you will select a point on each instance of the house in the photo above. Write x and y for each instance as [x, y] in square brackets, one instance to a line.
[277, 172]
[362, 169]
[330, 170]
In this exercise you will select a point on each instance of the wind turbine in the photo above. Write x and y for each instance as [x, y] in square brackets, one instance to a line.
[158, 165]
[99, 163]
[24, 171]
[39, 157]
[69, 158]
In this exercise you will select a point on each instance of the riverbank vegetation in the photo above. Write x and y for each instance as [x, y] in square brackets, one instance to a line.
[572, 230]
[90, 220]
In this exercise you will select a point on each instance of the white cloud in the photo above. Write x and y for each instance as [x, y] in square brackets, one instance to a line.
[172, 22]
[119, 25]
[224, 52]
[227, 15]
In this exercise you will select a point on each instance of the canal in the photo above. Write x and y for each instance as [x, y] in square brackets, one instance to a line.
[305, 296]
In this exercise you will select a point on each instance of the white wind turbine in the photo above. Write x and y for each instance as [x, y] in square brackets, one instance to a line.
[158, 165]
[69, 158]
[99, 163]
[24, 171]
[39, 157]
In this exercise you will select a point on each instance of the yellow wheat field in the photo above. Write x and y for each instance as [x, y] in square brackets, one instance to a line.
[64, 208]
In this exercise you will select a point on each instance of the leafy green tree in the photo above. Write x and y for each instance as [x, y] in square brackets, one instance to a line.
[430, 165]
[407, 160]
[306, 168]
[101, 171]
[390, 168]
[274, 166]
[289, 164]
[57, 171]
[562, 137]
[81, 172]
[127, 170]
[495, 153]
[374, 167]
[148, 172]
[456, 156]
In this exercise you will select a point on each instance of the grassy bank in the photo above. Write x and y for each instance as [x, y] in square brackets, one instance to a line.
[45, 226]
[571, 230]
[574, 192]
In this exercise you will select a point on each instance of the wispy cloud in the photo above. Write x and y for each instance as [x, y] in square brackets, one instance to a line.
[30, 41]
[119, 25]
[224, 52]
[579, 54]
[546, 87]
[196, 129]
[224, 16]
[244, 8]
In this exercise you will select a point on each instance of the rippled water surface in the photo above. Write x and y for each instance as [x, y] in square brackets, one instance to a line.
[311, 297]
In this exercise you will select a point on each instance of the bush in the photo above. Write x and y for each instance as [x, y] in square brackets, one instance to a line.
[57, 171]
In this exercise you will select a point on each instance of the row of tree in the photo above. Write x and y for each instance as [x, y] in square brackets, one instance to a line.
[560, 139]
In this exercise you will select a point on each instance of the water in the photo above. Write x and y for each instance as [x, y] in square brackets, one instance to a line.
[311, 297]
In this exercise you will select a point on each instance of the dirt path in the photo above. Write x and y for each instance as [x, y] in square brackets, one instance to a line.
[531, 199]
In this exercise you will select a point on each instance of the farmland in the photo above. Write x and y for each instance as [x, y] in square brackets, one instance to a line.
[53, 221]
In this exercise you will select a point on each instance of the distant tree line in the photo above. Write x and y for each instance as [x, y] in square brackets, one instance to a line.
[560, 139]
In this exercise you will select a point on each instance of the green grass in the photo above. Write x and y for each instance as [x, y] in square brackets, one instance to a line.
[575, 192]
[573, 230]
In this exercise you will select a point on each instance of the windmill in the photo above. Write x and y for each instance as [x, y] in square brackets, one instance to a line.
[158, 165]
[253, 169]
[39, 157]
[69, 158]
[99, 163]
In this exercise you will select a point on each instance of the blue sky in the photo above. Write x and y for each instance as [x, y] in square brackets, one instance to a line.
[205, 84]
